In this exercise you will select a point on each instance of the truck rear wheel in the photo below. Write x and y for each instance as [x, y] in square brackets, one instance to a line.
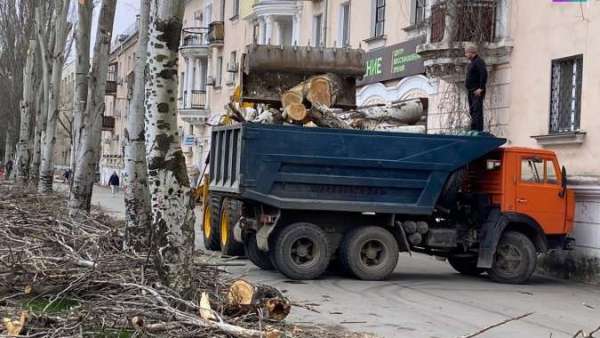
[465, 265]
[255, 255]
[231, 211]
[210, 223]
[515, 259]
[370, 253]
[301, 251]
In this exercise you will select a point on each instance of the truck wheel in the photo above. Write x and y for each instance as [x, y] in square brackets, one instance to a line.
[210, 223]
[301, 251]
[370, 253]
[231, 211]
[465, 265]
[515, 259]
[255, 255]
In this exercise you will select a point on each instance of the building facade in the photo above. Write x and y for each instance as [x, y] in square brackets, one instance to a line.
[64, 128]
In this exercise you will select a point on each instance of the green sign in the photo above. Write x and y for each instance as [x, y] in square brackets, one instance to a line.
[393, 62]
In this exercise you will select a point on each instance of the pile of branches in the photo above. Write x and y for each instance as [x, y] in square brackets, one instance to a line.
[63, 277]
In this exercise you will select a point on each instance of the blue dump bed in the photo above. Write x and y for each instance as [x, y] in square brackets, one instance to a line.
[338, 170]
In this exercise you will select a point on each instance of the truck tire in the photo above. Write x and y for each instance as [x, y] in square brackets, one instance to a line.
[231, 211]
[514, 260]
[210, 223]
[301, 251]
[465, 265]
[369, 253]
[255, 255]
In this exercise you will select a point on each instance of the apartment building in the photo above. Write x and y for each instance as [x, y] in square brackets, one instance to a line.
[119, 89]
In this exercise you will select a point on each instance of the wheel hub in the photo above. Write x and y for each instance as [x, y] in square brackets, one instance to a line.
[303, 251]
[508, 258]
[372, 253]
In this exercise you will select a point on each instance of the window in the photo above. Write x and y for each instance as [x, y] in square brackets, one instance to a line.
[344, 30]
[379, 18]
[532, 170]
[232, 67]
[565, 94]
[219, 71]
[181, 84]
[419, 11]
[236, 9]
[536, 170]
[318, 29]
[551, 177]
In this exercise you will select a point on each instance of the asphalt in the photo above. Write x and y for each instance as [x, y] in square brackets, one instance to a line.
[424, 297]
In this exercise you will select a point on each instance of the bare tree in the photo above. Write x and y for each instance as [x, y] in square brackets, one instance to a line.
[172, 213]
[89, 149]
[137, 196]
[84, 26]
[24, 145]
[58, 57]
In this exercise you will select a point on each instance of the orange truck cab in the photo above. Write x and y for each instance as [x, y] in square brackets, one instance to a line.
[528, 189]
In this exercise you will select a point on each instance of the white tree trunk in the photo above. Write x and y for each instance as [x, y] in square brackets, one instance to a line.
[89, 148]
[85, 9]
[24, 146]
[39, 126]
[172, 213]
[58, 57]
[137, 196]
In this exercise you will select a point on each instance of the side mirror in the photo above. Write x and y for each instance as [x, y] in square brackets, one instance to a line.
[563, 182]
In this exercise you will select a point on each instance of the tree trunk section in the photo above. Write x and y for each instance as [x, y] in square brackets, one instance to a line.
[245, 297]
[172, 203]
[85, 9]
[58, 57]
[89, 149]
[24, 146]
[39, 126]
[326, 117]
[137, 197]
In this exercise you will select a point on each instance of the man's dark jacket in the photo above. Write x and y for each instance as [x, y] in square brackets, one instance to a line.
[114, 180]
[476, 74]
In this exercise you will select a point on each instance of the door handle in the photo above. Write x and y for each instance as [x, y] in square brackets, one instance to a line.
[521, 200]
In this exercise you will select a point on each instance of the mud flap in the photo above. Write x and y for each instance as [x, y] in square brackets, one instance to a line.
[490, 232]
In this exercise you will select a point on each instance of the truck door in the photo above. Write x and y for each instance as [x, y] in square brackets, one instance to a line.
[538, 193]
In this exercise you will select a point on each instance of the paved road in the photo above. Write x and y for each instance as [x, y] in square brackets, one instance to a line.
[426, 298]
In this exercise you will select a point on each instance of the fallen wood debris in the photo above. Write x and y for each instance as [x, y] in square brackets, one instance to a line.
[66, 277]
[311, 103]
[487, 328]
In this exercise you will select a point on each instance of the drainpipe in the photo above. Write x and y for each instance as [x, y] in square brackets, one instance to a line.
[325, 22]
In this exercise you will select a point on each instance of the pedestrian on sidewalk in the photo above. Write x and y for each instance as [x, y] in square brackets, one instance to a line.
[113, 181]
[8, 169]
[475, 82]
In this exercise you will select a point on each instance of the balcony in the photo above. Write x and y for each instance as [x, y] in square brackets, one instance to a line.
[193, 109]
[455, 23]
[111, 81]
[194, 41]
[216, 33]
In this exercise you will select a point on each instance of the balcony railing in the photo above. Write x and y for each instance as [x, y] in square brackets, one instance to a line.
[464, 20]
[198, 99]
[216, 33]
[195, 37]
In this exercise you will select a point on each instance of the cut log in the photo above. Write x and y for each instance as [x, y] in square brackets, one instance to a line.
[264, 300]
[326, 117]
[293, 96]
[296, 112]
[407, 112]
[323, 89]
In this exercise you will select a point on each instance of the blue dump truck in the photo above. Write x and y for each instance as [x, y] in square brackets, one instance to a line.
[297, 199]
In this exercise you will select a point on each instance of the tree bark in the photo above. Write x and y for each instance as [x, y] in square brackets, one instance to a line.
[89, 149]
[85, 9]
[24, 145]
[407, 112]
[245, 297]
[172, 203]
[58, 58]
[137, 196]
[39, 126]
[326, 117]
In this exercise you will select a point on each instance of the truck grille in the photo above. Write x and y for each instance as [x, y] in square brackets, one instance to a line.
[225, 158]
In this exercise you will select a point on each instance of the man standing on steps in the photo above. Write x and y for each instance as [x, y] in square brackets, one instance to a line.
[475, 82]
